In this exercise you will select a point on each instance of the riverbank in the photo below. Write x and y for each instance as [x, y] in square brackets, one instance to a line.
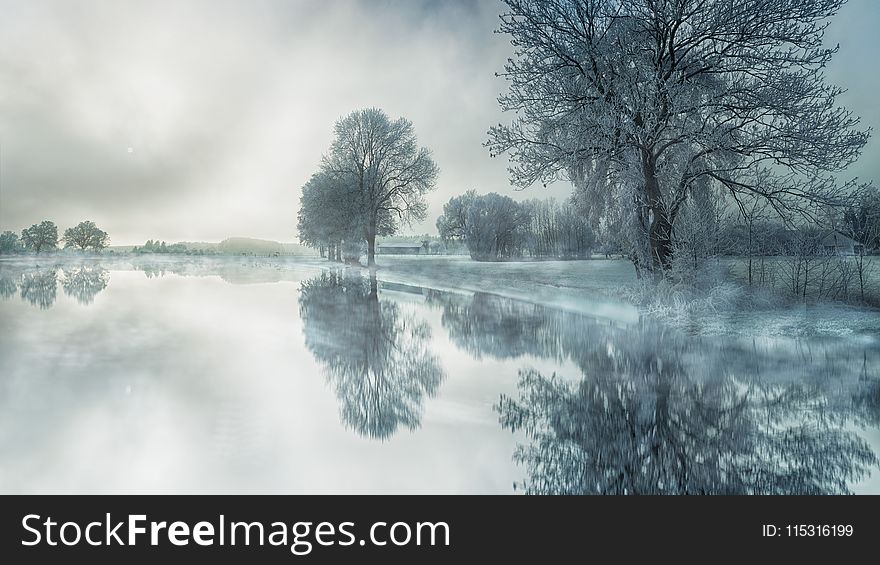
[601, 288]
[609, 288]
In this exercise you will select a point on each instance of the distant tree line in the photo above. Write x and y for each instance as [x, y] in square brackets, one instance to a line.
[44, 237]
[372, 180]
[496, 227]
[160, 247]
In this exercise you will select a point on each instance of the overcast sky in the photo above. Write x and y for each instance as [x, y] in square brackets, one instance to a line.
[199, 120]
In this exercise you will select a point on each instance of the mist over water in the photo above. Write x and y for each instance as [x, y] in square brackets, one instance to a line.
[229, 377]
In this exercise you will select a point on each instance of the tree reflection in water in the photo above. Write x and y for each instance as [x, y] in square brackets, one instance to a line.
[84, 283]
[39, 287]
[376, 354]
[8, 284]
[638, 409]
[656, 412]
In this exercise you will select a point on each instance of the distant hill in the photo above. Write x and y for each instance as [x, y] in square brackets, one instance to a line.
[237, 245]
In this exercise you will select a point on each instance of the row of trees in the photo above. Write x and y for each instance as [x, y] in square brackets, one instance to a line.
[44, 237]
[646, 106]
[160, 247]
[372, 180]
[495, 227]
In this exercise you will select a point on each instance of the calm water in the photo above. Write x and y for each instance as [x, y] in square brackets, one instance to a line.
[231, 377]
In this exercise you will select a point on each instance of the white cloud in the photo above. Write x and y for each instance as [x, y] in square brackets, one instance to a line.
[229, 105]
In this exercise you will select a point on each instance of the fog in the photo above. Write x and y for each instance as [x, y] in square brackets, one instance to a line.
[201, 120]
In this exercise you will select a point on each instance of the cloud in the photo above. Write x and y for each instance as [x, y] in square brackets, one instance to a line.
[229, 105]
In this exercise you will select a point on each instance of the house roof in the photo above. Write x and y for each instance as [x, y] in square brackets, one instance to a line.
[400, 245]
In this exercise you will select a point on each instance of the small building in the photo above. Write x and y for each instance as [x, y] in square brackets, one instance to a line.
[838, 244]
[399, 248]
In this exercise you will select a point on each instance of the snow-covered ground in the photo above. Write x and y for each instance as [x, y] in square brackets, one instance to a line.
[602, 287]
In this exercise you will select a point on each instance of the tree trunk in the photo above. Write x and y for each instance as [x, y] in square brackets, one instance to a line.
[339, 252]
[371, 247]
[374, 285]
[660, 228]
[861, 266]
[660, 242]
[750, 252]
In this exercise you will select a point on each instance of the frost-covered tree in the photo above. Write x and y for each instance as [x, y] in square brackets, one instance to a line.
[699, 233]
[386, 170]
[641, 103]
[9, 242]
[557, 230]
[861, 221]
[85, 235]
[329, 217]
[452, 223]
[496, 227]
[40, 236]
[493, 226]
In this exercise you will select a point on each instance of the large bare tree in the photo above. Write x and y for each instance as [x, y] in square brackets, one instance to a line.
[388, 172]
[642, 102]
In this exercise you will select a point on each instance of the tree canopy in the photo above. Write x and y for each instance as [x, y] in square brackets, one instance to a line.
[9, 242]
[40, 237]
[372, 180]
[642, 103]
[496, 227]
[85, 235]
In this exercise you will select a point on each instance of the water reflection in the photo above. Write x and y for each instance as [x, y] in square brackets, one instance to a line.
[487, 325]
[8, 285]
[151, 270]
[614, 408]
[376, 355]
[233, 272]
[39, 287]
[84, 283]
[656, 412]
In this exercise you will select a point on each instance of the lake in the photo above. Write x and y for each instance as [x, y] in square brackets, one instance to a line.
[235, 376]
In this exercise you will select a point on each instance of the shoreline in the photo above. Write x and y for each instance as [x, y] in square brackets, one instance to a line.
[603, 288]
